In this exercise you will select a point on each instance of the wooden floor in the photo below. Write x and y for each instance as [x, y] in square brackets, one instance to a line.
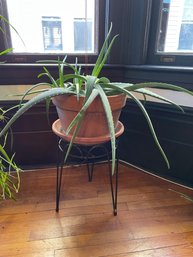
[152, 220]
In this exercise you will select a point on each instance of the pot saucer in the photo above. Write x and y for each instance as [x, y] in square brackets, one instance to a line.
[57, 129]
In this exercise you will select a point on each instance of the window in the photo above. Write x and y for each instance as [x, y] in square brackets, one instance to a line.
[176, 26]
[57, 27]
[173, 32]
[83, 36]
[58, 17]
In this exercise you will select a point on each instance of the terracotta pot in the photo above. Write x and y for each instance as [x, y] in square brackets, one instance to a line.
[94, 123]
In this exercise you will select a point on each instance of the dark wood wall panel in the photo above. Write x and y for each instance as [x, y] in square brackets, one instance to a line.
[174, 130]
[182, 76]
[27, 74]
[33, 141]
[35, 149]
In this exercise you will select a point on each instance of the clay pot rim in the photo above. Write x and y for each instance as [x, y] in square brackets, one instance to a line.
[71, 103]
[83, 96]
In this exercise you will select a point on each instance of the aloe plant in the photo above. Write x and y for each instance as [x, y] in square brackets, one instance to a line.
[91, 86]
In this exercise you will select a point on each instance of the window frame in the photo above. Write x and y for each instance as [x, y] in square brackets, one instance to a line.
[161, 58]
[18, 58]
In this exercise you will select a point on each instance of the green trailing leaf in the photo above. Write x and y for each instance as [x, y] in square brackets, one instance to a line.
[6, 51]
[80, 114]
[102, 80]
[2, 151]
[47, 73]
[149, 93]
[122, 90]
[4, 118]
[105, 57]
[158, 85]
[61, 74]
[10, 25]
[111, 126]
[151, 128]
[48, 102]
[89, 85]
[42, 96]
[78, 125]
[9, 183]
[103, 54]
[78, 120]
[68, 77]
[31, 91]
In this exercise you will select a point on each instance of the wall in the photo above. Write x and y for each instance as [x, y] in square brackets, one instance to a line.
[35, 145]
[174, 131]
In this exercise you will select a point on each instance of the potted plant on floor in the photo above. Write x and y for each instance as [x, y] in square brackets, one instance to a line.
[9, 181]
[86, 90]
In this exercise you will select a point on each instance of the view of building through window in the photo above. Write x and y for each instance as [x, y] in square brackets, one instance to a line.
[82, 27]
[176, 26]
[66, 26]
[52, 33]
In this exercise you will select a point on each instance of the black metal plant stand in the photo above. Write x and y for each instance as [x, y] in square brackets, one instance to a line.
[89, 155]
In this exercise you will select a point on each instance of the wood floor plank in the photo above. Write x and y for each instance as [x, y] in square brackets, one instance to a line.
[152, 220]
[131, 248]
[120, 239]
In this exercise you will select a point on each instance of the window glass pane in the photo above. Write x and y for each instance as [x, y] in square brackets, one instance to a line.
[176, 27]
[82, 35]
[186, 37]
[52, 33]
[50, 26]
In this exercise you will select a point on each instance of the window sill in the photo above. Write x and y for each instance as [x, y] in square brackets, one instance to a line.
[160, 68]
[179, 98]
[11, 92]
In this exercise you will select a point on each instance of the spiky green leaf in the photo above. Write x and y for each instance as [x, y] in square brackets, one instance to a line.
[109, 116]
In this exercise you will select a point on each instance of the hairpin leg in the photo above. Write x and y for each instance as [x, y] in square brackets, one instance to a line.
[90, 162]
[59, 172]
[90, 169]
